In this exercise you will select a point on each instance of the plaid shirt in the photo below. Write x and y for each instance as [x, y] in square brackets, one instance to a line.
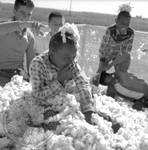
[43, 76]
[113, 44]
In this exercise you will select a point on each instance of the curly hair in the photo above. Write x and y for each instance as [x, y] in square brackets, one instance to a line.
[125, 14]
[56, 41]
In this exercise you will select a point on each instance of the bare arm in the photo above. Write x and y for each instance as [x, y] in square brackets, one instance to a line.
[103, 51]
[30, 53]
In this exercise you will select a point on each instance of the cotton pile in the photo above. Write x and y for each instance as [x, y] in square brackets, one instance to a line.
[73, 133]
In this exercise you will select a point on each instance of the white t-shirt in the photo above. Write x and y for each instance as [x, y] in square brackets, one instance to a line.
[41, 43]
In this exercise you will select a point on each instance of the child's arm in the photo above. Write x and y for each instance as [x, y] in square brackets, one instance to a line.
[84, 96]
[130, 43]
[103, 51]
[30, 52]
[41, 89]
[103, 54]
[83, 90]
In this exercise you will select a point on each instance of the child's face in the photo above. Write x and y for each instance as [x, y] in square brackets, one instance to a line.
[122, 24]
[55, 24]
[23, 13]
[64, 56]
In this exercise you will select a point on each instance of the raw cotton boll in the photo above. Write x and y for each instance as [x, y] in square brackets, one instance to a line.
[88, 139]
[118, 141]
[29, 147]
[61, 101]
[51, 141]
[80, 133]
[17, 79]
[124, 133]
[62, 145]
[74, 132]
[13, 90]
[59, 142]
[78, 145]
[72, 102]
[101, 145]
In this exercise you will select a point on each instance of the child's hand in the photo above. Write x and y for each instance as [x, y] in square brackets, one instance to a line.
[65, 75]
[95, 79]
[88, 116]
[121, 58]
[34, 25]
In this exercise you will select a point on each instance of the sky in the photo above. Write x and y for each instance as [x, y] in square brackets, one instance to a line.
[139, 7]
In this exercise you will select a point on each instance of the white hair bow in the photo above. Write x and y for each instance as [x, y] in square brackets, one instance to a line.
[72, 29]
[125, 7]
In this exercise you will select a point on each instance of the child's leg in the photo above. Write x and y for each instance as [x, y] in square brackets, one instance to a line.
[111, 91]
[141, 103]
[145, 101]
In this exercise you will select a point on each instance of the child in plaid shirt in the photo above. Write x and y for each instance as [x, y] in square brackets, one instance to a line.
[51, 71]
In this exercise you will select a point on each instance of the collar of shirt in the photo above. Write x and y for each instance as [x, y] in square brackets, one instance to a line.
[117, 32]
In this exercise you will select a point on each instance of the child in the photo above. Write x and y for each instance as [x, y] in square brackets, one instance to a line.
[126, 85]
[16, 32]
[117, 43]
[51, 71]
[16, 41]
[55, 21]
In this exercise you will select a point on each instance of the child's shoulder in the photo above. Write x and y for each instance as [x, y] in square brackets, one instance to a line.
[112, 28]
[130, 31]
[41, 57]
